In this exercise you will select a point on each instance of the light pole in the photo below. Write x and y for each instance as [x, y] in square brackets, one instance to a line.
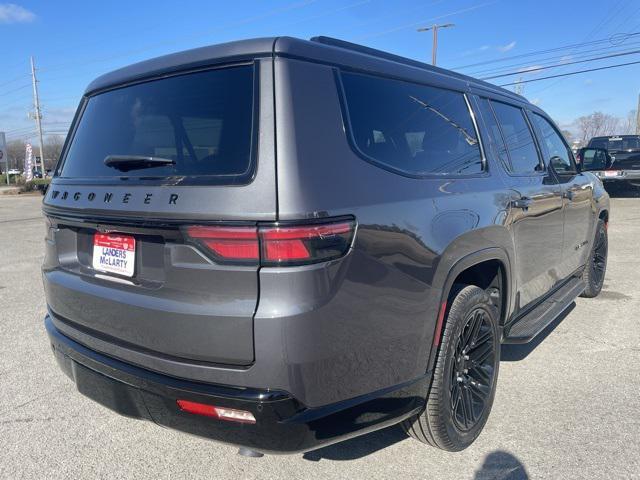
[435, 29]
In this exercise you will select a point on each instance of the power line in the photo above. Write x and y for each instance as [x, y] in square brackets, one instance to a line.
[20, 129]
[12, 80]
[15, 90]
[550, 50]
[551, 60]
[613, 13]
[422, 22]
[243, 21]
[571, 73]
[537, 69]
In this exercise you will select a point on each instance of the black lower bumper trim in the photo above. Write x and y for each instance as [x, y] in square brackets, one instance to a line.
[283, 425]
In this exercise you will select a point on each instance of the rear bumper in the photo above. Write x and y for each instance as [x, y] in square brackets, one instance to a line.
[283, 424]
[622, 176]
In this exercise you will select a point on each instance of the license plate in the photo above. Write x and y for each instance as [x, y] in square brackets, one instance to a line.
[114, 253]
[611, 173]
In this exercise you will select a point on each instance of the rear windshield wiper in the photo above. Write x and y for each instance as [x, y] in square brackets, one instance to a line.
[134, 162]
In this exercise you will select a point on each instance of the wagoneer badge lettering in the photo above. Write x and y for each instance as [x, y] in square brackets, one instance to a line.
[147, 198]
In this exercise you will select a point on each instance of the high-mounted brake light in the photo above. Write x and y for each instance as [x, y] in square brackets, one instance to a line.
[284, 244]
[220, 413]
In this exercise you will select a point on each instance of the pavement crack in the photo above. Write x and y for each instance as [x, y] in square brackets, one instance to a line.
[34, 399]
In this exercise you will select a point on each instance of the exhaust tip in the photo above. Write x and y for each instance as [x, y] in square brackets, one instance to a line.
[247, 452]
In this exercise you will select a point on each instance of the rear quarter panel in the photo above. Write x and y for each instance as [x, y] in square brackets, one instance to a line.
[366, 322]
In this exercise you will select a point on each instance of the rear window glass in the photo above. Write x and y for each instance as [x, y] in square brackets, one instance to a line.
[202, 122]
[416, 129]
[616, 144]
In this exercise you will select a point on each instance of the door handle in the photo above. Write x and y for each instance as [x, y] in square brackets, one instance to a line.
[523, 203]
[568, 194]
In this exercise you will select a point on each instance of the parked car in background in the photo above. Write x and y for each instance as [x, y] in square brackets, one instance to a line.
[15, 171]
[616, 159]
[281, 244]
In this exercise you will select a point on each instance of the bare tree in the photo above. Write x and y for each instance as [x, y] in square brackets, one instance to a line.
[629, 123]
[596, 125]
[16, 150]
[568, 136]
[52, 149]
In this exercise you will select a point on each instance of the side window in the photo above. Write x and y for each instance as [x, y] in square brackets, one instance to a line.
[517, 135]
[416, 129]
[557, 152]
[492, 132]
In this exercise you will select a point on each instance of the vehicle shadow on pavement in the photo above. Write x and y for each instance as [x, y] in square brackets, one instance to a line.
[624, 192]
[516, 352]
[502, 465]
[359, 447]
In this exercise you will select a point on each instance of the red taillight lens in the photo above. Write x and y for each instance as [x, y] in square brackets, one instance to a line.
[220, 413]
[228, 243]
[286, 245]
[276, 245]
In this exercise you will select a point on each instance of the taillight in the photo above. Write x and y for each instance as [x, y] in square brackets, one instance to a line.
[228, 243]
[287, 245]
[283, 244]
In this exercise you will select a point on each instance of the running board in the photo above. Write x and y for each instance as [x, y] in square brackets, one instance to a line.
[526, 328]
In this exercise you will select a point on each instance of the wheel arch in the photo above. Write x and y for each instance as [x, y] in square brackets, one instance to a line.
[468, 267]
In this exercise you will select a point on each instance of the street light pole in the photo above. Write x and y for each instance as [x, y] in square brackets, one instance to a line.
[435, 29]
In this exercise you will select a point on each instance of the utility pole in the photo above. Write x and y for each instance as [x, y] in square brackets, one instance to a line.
[435, 28]
[37, 115]
[518, 88]
[3, 153]
[638, 117]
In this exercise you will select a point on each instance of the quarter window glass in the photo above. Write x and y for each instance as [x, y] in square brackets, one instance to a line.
[558, 154]
[517, 135]
[416, 129]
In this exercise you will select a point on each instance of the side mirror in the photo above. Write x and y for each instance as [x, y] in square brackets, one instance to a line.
[593, 159]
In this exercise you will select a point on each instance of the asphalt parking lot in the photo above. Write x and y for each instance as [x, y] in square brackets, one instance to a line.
[567, 406]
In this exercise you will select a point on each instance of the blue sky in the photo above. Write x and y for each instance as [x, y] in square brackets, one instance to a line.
[74, 41]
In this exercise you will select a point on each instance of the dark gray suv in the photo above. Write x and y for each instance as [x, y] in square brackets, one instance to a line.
[281, 244]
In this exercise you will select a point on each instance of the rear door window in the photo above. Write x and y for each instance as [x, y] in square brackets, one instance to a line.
[413, 129]
[203, 122]
[494, 141]
[518, 138]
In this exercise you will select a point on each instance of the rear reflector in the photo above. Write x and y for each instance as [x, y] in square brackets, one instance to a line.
[276, 245]
[220, 413]
[439, 323]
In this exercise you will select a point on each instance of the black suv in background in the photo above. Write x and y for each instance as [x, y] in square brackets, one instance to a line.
[281, 243]
[616, 160]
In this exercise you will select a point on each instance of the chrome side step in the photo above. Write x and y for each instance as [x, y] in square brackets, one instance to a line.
[526, 328]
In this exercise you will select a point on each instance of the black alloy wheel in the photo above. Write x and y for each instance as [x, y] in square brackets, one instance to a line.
[466, 372]
[472, 370]
[596, 267]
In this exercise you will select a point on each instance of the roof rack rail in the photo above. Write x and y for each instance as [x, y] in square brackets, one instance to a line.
[335, 42]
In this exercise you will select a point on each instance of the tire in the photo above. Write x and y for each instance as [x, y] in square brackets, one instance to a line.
[594, 271]
[443, 423]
